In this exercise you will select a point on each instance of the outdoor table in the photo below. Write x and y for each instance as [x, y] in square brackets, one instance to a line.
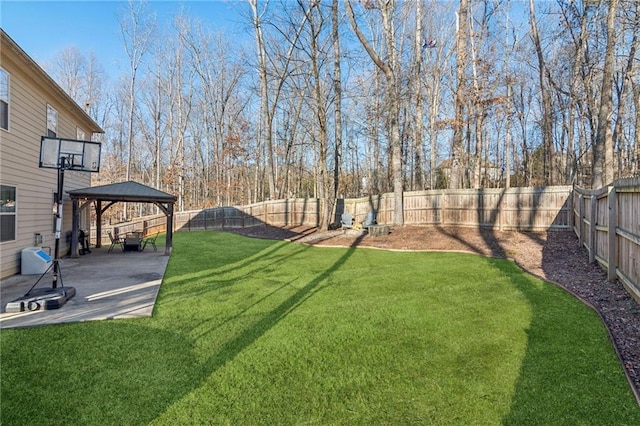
[133, 242]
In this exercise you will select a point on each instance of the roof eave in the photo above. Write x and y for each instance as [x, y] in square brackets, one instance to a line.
[8, 42]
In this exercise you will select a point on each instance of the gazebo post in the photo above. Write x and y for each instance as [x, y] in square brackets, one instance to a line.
[98, 223]
[169, 240]
[75, 223]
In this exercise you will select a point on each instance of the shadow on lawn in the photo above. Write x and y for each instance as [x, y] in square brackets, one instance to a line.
[272, 318]
[570, 377]
[176, 291]
[556, 376]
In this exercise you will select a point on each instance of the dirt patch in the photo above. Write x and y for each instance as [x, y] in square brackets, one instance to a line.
[553, 256]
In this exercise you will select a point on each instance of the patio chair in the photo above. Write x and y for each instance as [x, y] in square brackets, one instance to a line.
[369, 220]
[115, 241]
[150, 240]
[346, 221]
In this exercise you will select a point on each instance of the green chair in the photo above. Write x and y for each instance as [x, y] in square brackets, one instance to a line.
[152, 241]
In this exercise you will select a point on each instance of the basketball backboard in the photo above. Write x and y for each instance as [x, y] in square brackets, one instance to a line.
[57, 153]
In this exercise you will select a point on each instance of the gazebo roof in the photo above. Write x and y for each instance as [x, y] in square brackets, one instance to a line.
[129, 191]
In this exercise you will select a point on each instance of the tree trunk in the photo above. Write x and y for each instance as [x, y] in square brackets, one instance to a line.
[418, 133]
[457, 148]
[624, 86]
[337, 111]
[635, 159]
[136, 29]
[603, 151]
[547, 125]
[507, 141]
[266, 134]
[324, 185]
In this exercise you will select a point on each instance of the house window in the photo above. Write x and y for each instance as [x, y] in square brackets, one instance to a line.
[52, 121]
[4, 100]
[7, 213]
[79, 134]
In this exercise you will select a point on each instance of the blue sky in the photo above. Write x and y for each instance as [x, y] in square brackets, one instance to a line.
[44, 28]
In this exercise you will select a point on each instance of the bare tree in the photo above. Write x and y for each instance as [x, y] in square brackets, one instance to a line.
[69, 69]
[418, 121]
[457, 147]
[137, 27]
[337, 88]
[624, 85]
[603, 150]
[269, 97]
[547, 126]
[389, 68]
[635, 160]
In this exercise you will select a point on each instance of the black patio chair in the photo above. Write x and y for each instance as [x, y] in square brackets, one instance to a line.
[115, 241]
[150, 240]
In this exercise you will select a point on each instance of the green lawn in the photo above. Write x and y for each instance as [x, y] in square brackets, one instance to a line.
[250, 331]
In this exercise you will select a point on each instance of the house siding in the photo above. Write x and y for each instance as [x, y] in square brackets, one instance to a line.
[19, 159]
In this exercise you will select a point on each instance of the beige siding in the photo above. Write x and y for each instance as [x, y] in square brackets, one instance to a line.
[19, 157]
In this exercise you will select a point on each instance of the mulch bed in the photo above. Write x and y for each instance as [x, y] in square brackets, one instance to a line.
[552, 256]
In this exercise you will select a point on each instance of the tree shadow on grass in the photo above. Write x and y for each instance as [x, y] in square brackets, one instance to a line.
[252, 333]
[203, 369]
[571, 376]
[120, 372]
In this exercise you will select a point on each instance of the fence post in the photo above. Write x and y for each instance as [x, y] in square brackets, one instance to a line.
[580, 224]
[611, 255]
[592, 230]
[570, 218]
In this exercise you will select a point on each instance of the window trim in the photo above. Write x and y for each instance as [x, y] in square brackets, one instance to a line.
[8, 100]
[52, 133]
[13, 213]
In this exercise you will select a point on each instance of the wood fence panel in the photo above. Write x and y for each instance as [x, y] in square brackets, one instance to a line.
[578, 209]
[601, 225]
[611, 230]
[536, 209]
[422, 207]
[628, 234]
[587, 210]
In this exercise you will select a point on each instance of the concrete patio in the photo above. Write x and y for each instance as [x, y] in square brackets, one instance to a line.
[108, 286]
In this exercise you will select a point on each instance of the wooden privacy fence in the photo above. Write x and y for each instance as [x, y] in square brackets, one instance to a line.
[526, 209]
[289, 212]
[523, 209]
[607, 223]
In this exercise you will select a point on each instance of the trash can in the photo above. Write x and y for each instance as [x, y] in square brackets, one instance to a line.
[35, 261]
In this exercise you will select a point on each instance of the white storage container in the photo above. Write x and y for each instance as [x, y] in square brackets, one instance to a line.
[35, 261]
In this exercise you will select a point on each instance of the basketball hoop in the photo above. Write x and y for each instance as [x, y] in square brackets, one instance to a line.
[60, 154]
[70, 154]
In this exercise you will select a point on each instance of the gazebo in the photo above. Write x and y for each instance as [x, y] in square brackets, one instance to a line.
[129, 191]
